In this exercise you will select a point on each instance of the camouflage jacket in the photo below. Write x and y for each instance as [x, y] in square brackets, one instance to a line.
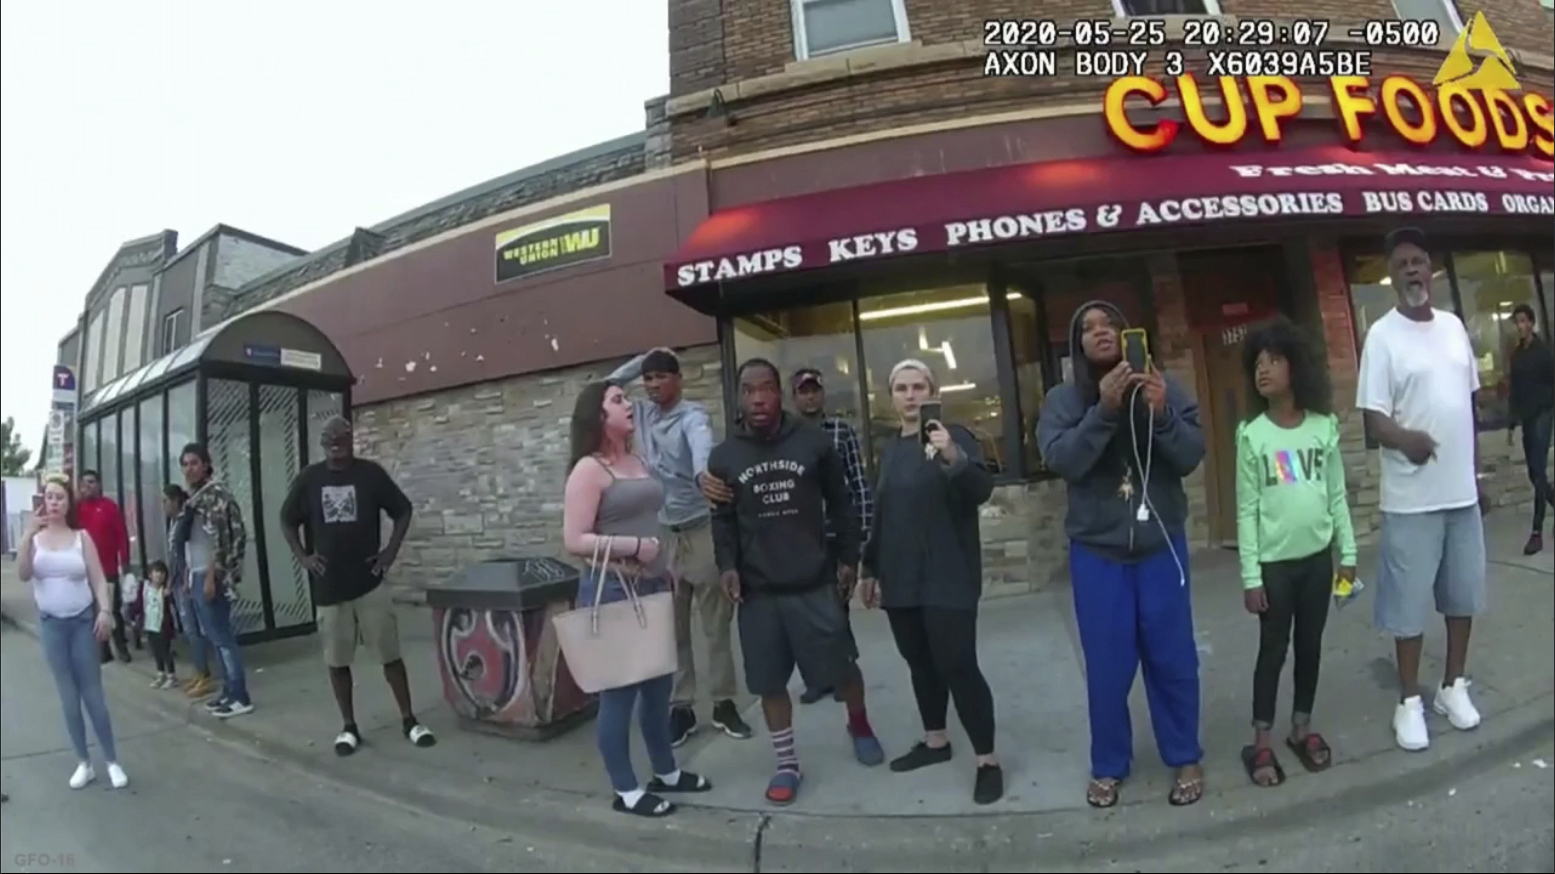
[216, 510]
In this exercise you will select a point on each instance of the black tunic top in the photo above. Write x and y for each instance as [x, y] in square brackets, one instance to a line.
[926, 547]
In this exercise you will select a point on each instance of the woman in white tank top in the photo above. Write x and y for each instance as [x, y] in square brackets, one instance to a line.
[73, 618]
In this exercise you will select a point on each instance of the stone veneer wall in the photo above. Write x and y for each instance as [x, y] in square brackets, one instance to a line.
[484, 464]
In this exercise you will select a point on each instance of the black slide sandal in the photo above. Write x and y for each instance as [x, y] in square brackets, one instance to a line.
[1255, 760]
[1307, 750]
[688, 782]
[650, 806]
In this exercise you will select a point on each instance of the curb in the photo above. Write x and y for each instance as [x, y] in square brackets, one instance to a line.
[562, 830]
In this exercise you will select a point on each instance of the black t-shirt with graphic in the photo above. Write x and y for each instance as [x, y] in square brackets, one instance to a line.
[341, 511]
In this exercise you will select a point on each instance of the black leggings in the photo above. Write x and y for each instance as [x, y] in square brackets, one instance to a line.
[1298, 592]
[940, 648]
[162, 650]
[1536, 454]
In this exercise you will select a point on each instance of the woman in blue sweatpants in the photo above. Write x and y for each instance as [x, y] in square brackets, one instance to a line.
[1123, 439]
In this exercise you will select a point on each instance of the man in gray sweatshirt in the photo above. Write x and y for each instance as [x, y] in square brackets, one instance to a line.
[674, 438]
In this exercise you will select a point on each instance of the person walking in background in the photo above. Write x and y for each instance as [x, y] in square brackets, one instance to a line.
[157, 617]
[924, 566]
[674, 437]
[789, 488]
[1417, 385]
[340, 503]
[214, 543]
[1531, 397]
[612, 505]
[1292, 510]
[201, 684]
[103, 521]
[1123, 442]
[74, 613]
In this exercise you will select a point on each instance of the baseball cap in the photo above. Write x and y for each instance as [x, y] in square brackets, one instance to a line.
[807, 376]
[1400, 236]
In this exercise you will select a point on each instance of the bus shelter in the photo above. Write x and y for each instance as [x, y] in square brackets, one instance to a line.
[256, 391]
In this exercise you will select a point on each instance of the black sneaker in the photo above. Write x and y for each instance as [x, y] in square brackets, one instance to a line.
[683, 724]
[727, 718]
[920, 756]
[1535, 544]
[989, 786]
[217, 703]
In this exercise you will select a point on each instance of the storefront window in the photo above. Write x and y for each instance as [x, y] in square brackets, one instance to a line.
[820, 337]
[949, 329]
[1062, 287]
[1491, 285]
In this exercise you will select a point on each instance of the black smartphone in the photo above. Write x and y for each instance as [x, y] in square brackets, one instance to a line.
[930, 412]
[1136, 350]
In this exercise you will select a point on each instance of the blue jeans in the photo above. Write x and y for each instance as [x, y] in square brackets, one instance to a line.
[1133, 615]
[651, 699]
[215, 618]
[194, 633]
[70, 646]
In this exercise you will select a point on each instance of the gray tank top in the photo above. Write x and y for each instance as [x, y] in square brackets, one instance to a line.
[629, 507]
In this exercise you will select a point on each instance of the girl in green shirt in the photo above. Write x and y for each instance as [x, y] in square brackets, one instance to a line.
[1291, 513]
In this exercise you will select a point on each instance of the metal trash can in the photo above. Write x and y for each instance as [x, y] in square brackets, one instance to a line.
[502, 668]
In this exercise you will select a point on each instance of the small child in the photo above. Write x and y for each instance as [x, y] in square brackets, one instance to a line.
[158, 623]
[1292, 510]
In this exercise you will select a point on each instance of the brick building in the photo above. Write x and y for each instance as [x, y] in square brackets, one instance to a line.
[762, 211]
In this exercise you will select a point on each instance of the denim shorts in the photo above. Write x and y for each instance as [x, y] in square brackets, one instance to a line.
[1429, 558]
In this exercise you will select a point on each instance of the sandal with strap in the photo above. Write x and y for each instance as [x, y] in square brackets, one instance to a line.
[686, 782]
[1186, 790]
[1257, 759]
[650, 806]
[1313, 751]
[783, 789]
[1103, 792]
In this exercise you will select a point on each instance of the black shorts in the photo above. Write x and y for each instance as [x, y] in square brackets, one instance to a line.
[806, 629]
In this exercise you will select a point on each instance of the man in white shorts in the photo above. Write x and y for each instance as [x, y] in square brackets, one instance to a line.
[1417, 382]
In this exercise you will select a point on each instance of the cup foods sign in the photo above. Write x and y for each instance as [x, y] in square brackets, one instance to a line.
[562, 241]
[1467, 193]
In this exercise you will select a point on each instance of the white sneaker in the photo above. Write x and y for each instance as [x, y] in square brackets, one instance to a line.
[116, 776]
[1409, 725]
[1453, 702]
[83, 775]
[160, 682]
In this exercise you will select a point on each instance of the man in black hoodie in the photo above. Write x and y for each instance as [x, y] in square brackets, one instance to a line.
[788, 483]
[1123, 442]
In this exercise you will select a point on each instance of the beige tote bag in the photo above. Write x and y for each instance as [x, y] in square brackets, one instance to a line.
[608, 646]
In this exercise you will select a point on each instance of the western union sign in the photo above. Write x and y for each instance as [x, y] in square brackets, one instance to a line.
[557, 242]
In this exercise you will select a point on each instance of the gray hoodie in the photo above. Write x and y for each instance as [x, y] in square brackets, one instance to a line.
[1094, 451]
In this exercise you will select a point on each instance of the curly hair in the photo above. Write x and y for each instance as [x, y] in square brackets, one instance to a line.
[1309, 383]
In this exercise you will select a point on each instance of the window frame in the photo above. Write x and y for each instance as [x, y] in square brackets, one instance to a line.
[1120, 10]
[167, 343]
[1451, 8]
[802, 38]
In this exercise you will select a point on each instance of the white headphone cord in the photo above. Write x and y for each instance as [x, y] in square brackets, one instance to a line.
[1146, 506]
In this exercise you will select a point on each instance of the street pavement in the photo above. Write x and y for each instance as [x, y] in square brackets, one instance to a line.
[1375, 806]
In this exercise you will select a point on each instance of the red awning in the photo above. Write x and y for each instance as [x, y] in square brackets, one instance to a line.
[1033, 201]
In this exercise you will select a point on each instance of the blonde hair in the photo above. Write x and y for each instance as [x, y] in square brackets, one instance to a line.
[913, 364]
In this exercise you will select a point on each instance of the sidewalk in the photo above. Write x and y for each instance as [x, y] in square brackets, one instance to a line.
[871, 819]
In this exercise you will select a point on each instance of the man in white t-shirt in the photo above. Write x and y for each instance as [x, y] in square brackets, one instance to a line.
[1417, 382]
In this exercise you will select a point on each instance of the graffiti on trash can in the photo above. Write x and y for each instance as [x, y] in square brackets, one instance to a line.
[485, 658]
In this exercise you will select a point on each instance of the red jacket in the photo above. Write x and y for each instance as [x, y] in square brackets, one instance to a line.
[104, 523]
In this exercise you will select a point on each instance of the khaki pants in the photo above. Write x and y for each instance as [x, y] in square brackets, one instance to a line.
[692, 558]
[369, 620]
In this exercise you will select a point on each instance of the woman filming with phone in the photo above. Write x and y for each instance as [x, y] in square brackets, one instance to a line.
[923, 565]
[75, 615]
